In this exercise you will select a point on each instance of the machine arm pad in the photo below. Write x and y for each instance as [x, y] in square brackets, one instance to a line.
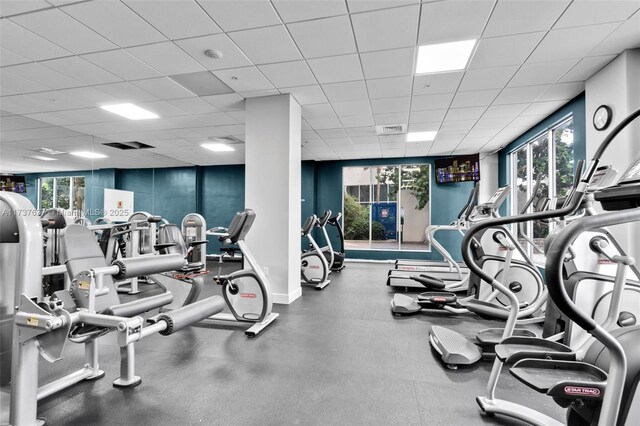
[190, 314]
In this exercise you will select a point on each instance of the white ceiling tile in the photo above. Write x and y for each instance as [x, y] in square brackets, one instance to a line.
[531, 74]
[122, 64]
[428, 102]
[245, 79]
[542, 108]
[127, 92]
[485, 134]
[17, 122]
[562, 91]
[570, 42]
[591, 12]
[515, 95]
[259, 93]
[305, 10]
[13, 7]
[324, 37]
[75, 38]
[163, 88]
[492, 123]
[357, 120]
[365, 140]
[383, 106]
[527, 120]
[388, 63]
[100, 16]
[457, 125]
[332, 133]
[504, 111]
[306, 95]
[503, 51]
[267, 45]
[348, 91]
[389, 87]
[81, 70]
[428, 116]
[227, 102]
[360, 131]
[7, 57]
[193, 105]
[352, 108]
[45, 76]
[325, 123]
[366, 5]
[288, 74]
[167, 58]
[432, 84]
[15, 84]
[487, 78]
[88, 96]
[515, 17]
[167, 109]
[442, 22]
[175, 19]
[391, 118]
[232, 57]
[586, 68]
[386, 29]
[240, 15]
[475, 98]
[334, 69]
[470, 113]
[626, 36]
[318, 111]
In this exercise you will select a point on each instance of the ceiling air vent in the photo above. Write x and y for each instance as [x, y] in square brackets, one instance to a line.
[229, 140]
[393, 129]
[49, 151]
[128, 145]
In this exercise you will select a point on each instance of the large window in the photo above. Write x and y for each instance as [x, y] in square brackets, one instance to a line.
[548, 157]
[386, 207]
[62, 192]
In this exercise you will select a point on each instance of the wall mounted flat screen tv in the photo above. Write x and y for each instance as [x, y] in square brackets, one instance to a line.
[12, 183]
[461, 168]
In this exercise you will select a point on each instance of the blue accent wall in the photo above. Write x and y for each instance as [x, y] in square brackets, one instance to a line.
[575, 108]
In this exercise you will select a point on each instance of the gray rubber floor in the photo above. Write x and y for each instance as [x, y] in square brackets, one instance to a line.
[335, 357]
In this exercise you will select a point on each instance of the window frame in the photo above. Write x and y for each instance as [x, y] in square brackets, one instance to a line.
[54, 198]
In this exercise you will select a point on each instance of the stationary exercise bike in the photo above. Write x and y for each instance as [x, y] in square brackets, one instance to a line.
[314, 267]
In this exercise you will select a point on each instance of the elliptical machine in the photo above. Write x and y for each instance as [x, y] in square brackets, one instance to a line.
[314, 268]
[338, 256]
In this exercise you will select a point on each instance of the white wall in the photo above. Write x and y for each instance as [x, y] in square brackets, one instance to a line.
[618, 86]
[488, 176]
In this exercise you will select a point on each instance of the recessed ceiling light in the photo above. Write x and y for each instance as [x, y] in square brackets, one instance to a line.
[42, 158]
[421, 136]
[443, 57]
[217, 147]
[130, 111]
[88, 154]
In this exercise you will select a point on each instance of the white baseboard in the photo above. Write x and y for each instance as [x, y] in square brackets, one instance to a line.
[286, 299]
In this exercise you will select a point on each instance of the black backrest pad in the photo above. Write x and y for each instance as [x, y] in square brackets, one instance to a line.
[235, 228]
[308, 224]
[248, 223]
[82, 252]
[322, 221]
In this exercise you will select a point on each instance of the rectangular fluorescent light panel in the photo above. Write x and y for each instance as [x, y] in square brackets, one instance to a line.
[421, 136]
[88, 154]
[43, 158]
[130, 111]
[217, 147]
[444, 57]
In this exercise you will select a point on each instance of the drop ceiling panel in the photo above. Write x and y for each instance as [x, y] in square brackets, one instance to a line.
[487, 78]
[288, 74]
[492, 123]
[586, 68]
[306, 95]
[267, 45]
[624, 37]
[543, 108]
[334, 69]
[348, 91]
[432, 84]
[452, 125]
[570, 42]
[531, 74]
[324, 123]
[389, 87]
[382, 106]
[127, 92]
[386, 29]
[17, 85]
[232, 56]
[7, 57]
[430, 102]
[240, 15]
[324, 37]
[515, 95]
[34, 71]
[167, 58]
[366, 5]
[75, 38]
[351, 108]
[504, 111]
[13, 7]
[318, 111]
[391, 118]
[24, 42]
[175, 19]
[122, 64]
[193, 106]
[388, 63]
[356, 121]
[469, 113]
[202, 83]
[430, 116]
[596, 12]
[475, 98]
[81, 70]
[162, 88]
[562, 91]
[516, 17]
[442, 22]
[295, 10]
[17, 122]
[504, 51]
[230, 102]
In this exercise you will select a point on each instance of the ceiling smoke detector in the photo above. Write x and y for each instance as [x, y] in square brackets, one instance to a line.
[391, 129]
[213, 54]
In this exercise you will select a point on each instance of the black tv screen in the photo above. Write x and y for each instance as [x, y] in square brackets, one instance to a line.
[12, 183]
[461, 168]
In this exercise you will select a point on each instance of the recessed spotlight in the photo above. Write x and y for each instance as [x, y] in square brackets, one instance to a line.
[88, 154]
[213, 54]
[444, 57]
[42, 158]
[217, 147]
[130, 111]
[421, 136]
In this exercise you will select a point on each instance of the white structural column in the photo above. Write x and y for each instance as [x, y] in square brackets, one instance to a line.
[272, 189]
